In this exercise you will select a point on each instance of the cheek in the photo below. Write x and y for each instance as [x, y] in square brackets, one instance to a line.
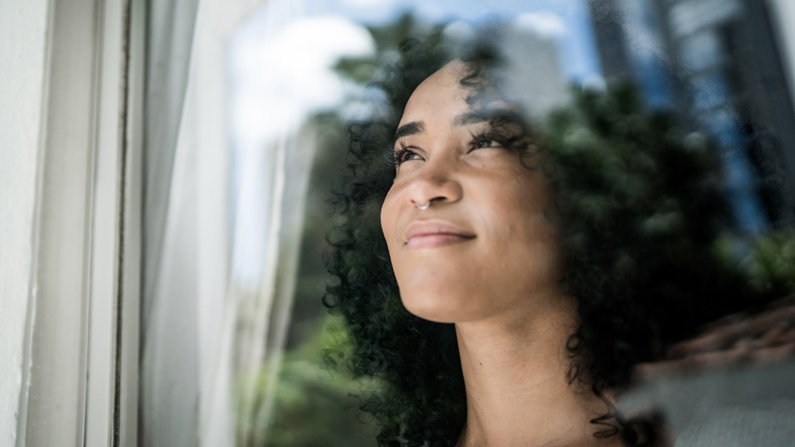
[522, 240]
[389, 216]
[513, 206]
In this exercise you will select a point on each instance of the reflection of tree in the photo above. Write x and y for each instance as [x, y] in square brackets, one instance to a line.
[389, 40]
[314, 404]
[771, 264]
[641, 205]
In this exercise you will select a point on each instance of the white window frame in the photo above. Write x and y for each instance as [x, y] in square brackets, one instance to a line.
[80, 369]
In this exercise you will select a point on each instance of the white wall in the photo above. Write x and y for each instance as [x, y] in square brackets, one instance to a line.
[23, 44]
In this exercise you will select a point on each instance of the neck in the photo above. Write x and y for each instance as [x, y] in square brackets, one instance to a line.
[515, 370]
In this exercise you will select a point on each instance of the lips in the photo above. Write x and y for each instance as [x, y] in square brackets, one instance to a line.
[435, 233]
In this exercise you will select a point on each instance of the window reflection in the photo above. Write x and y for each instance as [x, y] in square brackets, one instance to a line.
[298, 74]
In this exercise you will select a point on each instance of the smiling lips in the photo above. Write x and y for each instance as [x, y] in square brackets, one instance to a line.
[433, 234]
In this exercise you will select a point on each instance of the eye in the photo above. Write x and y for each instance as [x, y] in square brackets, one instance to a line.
[486, 140]
[484, 143]
[405, 154]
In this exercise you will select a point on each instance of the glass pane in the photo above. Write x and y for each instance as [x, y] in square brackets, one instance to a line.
[666, 130]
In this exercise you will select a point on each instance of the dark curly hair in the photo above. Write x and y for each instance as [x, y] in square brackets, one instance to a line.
[639, 205]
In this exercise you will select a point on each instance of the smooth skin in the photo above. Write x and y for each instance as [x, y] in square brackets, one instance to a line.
[485, 255]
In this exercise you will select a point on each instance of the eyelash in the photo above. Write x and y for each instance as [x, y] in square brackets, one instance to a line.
[502, 141]
[402, 153]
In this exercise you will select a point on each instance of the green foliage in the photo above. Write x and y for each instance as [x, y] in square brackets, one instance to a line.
[771, 264]
[391, 39]
[313, 403]
[616, 159]
[631, 187]
[641, 206]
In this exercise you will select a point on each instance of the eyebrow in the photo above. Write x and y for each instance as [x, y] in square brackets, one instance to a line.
[417, 127]
[408, 129]
[465, 119]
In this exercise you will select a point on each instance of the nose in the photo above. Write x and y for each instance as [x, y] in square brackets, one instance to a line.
[437, 182]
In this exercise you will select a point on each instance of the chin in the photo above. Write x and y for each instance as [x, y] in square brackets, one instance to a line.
[440, 307]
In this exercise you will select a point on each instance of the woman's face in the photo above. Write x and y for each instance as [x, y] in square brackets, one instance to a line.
[484, 246]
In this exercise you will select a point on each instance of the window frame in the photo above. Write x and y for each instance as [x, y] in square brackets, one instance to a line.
[80, 368]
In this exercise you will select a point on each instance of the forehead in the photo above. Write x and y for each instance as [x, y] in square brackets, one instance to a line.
[439, 97]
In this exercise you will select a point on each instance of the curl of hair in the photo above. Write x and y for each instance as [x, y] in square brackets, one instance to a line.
[638, 204]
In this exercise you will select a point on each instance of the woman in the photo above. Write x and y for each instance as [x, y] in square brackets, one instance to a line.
[501, 281]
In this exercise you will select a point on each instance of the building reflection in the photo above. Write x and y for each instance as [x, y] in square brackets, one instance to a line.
[717, 63]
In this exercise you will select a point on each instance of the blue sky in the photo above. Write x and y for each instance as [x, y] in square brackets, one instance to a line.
[578, 55]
